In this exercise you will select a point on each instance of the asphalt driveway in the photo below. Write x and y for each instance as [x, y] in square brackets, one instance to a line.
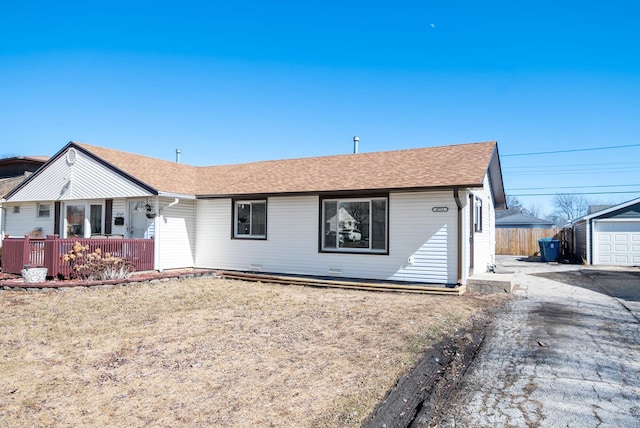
[565, 353]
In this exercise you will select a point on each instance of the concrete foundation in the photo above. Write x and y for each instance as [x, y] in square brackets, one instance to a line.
[489, 283]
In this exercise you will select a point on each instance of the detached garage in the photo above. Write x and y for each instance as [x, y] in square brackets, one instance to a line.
[610, 236]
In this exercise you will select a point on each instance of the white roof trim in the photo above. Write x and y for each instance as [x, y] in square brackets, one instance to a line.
[610, 209]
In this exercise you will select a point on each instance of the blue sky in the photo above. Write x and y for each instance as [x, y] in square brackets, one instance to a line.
[256, 81]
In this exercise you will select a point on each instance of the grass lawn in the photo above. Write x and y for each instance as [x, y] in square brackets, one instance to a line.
[211, 352]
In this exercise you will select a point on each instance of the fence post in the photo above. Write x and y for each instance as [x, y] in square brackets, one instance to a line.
[25, 251]
[52, 255]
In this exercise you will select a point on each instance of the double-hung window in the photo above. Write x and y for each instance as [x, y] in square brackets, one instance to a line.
[250, 219]
[355, 224]
[44, 210]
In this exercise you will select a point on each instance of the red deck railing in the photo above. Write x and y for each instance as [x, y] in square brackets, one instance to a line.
[16, 252]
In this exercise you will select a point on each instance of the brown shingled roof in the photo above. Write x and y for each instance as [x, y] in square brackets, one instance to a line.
[445, 166]
[164, 176]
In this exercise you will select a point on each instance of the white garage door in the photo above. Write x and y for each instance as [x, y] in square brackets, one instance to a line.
[617, 243]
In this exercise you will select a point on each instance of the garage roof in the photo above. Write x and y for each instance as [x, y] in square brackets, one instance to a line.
[609, 210]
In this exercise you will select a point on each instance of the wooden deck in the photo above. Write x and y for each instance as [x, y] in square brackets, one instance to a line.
[344, 283]
[18, 252]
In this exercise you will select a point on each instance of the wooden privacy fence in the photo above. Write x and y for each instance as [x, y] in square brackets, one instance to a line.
[524, 242]
[17, 252]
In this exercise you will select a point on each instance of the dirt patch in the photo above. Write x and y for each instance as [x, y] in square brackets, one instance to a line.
[421, 397]
[211, 352]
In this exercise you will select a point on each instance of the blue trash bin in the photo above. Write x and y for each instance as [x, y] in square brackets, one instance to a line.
[549, 249]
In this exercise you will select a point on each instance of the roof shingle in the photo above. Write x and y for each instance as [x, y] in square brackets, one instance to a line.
[444, 166]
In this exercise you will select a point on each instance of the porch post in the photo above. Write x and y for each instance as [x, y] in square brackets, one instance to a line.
[56, 217]
[52, 255]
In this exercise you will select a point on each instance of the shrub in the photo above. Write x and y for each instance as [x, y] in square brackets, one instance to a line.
[96, 265]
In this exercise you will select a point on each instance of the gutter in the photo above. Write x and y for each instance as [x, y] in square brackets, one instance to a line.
[177, 195]
[345, 192]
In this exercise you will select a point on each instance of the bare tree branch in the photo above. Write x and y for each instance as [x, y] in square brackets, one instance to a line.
[570, 207]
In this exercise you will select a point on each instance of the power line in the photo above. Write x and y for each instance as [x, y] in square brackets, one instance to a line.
[572, 150]
[571, 172]
[574, 187]
[568, 165]
[576, 193]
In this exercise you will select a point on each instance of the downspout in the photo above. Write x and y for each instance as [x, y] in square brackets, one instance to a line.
[460, 204]
[175, 201]
[3, 220]
[157, 238]
[588, 243]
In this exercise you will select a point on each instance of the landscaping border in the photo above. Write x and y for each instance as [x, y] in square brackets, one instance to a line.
[15, 282]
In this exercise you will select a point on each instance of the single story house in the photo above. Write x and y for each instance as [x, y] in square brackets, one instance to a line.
[422, 215]
[610, 236]
[14, 170]
[19, 166]
[514, 218]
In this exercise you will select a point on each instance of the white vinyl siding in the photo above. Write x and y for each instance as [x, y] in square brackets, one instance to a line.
[423, 243]
[485, 241]
[84, 179]
[213, 223]
[27, 220]
[177, 234]
[292, 243]
[119, 209]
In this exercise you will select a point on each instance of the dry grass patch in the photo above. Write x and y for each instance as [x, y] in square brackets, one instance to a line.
[210, 352]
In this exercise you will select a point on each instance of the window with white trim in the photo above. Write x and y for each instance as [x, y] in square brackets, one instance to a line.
[477, 215]
[83, 219]
[250, 219]
[75, 220]
[44, 210]
[354, 224]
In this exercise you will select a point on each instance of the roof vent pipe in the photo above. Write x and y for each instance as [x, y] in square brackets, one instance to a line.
[356, 140]
[178, 152]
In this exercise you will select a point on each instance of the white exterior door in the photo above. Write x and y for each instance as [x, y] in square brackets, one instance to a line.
[617, 243]
[137, 220]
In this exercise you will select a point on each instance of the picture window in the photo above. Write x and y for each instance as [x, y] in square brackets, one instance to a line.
[354, 225]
